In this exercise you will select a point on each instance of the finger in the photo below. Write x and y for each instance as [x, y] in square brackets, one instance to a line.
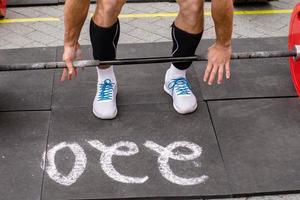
[207, 71]
[70, 67]
[220, 74]
[69, 77]
[76, 71]
[78, 57]
[227, 68]
[64, 75]
[213, 74]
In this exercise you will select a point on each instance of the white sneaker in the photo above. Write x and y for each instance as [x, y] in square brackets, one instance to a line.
[184, 101]
[105, 106]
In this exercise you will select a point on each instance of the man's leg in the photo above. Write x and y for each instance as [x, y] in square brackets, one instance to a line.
[104, 34]
[186, 33]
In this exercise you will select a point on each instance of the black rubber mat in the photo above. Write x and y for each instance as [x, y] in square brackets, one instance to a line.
[254, 78]
[23, 136]
[155, 124]
[259, 140]
[26, 90]
[242, 140]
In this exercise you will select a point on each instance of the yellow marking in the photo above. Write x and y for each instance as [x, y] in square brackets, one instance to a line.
[149, 15]
[262, 12]
[21, 20]
[152, 15]
[174, 14]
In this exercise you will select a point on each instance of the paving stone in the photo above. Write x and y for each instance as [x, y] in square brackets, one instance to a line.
[82, 42]
[3, 43]
[49, 10]
[165, 22]
[143, 7]
[4, 32]
[166, 7]
[144, 35]
[33, 45]
[144, 23]
[125, 38]
[12, 46]
[27, 12]
[126, 9]
[41, 37]
[56, 43]
[20, 29]
[47, 29]
[209, 33]
[17, 39]
[10, 13]
[158, 30]
[245, 25]
[163, 40]
[125, 27]
[56, 25]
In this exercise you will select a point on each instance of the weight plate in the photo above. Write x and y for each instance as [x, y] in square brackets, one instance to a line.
[294, 39]
[2, 8]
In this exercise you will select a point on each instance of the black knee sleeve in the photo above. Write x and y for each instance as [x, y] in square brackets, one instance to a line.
[104, 41]
[184, 44]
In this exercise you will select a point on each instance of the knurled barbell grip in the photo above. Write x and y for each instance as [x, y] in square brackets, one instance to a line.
[263, 54]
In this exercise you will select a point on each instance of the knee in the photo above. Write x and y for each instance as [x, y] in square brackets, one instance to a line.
[110, 8]
[191, 9]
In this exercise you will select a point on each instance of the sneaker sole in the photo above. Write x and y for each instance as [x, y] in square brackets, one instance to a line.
[175, 107]
[108, 118]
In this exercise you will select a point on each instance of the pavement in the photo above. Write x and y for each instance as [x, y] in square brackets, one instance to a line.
[136, 25]
[40, 26]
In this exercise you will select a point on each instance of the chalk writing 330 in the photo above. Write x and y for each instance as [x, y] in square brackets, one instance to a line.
[123, 148]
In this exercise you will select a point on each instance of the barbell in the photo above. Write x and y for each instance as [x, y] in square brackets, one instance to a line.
[293, 53]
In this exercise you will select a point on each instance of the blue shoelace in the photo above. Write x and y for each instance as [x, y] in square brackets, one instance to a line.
[105, 90]
[180, 85]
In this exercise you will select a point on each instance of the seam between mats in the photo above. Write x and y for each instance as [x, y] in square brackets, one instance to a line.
[219, 147]
[48, 132]
[45, 160]
[252, 98]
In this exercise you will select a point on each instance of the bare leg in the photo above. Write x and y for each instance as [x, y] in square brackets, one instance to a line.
[190, 17]
[106, 15]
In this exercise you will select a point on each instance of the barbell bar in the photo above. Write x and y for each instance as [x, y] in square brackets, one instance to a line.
[148, 60]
